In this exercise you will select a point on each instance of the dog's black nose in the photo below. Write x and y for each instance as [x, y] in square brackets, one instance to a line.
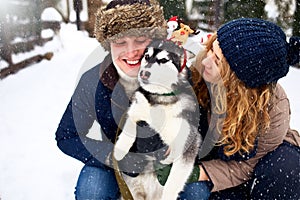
[144, 74]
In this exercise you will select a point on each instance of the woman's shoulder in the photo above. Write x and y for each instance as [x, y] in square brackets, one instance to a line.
[279, 95]
[279, 101]
[279, 91]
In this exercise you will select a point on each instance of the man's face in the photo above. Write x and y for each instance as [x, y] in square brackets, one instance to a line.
[127, 53]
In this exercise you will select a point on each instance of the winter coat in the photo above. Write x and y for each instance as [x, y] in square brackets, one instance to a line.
[100, 97]
[229, 172]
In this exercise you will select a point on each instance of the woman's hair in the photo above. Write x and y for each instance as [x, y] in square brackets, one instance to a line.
[245, 109]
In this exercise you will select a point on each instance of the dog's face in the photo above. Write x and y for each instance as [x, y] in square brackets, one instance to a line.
[161, 66]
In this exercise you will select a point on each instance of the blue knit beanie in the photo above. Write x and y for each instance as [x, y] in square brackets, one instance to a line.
[257, 50]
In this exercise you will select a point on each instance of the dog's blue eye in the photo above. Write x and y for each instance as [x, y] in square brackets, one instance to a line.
[163, 60]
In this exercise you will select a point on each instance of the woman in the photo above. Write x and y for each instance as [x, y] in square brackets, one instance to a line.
[255, 154]
[124, 29]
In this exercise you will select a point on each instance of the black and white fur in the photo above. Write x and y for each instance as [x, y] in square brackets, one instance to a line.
[165, 100]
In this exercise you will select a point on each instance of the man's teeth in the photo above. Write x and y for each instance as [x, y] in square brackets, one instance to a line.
[132, 62]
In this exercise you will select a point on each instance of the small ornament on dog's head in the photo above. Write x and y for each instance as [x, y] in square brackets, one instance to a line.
[180, 33]
[173, 23]
[173, 48]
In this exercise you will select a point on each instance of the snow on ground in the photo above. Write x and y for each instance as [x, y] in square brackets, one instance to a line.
[32, 103]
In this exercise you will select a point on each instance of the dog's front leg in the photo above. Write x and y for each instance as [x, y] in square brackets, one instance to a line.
[125, 140]
[178, 176]
[139, 110]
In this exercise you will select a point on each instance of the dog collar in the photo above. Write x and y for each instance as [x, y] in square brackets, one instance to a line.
[173, 93]
[167, 94]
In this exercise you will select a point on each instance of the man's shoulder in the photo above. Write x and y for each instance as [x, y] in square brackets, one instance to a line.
[91, 73]
[95, 72]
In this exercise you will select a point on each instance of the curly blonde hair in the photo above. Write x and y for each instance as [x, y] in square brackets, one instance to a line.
[245, 109]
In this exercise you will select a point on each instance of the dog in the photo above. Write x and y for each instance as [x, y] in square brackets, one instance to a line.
[166, 101]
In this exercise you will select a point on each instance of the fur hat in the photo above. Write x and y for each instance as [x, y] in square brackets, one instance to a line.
[257, 50]
[129, 17]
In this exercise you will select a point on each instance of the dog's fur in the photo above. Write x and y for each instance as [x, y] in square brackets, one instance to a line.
[165, 100]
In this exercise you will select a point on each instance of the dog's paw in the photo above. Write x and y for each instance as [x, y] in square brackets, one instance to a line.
[167, 161]
[119, 154]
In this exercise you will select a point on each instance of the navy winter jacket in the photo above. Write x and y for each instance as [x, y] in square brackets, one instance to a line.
[98, 96]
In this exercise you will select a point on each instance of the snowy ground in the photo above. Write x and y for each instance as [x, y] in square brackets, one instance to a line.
[32, 103]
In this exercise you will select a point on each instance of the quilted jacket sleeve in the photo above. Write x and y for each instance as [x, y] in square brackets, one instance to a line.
[76, 121]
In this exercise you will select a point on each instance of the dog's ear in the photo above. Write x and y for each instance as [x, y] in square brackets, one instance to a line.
[190, 55]
[190, 58]
[154, 43]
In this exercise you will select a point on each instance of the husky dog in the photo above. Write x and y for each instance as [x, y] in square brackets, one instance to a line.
[165, 100]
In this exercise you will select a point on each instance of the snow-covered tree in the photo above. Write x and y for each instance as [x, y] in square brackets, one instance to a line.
[209, 14]
[174, 8]
[296, 23]
[286, 11]
[243, 8]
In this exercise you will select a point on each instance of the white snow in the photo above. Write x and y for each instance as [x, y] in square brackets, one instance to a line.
[50, 14]
[32, 103]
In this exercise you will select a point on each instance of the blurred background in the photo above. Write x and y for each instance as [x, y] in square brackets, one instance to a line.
[44, 47]
[23, 22]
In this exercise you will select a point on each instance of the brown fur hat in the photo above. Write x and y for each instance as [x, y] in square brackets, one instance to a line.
[130, 18]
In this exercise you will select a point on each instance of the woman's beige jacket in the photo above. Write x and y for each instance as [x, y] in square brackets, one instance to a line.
[226, 174]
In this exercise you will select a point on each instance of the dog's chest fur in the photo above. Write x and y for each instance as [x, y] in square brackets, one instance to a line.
[162, 113]
[165, 100]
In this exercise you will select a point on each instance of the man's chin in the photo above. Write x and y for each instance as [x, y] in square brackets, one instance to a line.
[133, 71]
[133, 74]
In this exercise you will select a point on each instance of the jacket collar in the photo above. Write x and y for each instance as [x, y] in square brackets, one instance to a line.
[108, 73]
